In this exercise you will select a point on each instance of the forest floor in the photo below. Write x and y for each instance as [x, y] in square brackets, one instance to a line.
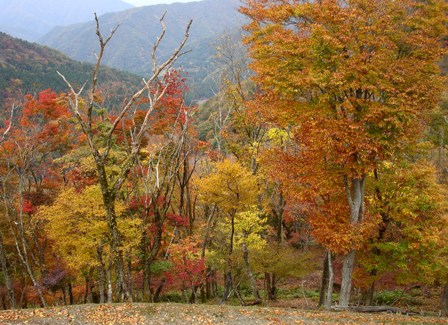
[173, 313]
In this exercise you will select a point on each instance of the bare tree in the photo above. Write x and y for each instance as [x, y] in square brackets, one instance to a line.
[111, 184]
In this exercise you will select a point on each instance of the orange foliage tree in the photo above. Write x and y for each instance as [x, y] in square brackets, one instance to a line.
[28, 179]
[351, 80]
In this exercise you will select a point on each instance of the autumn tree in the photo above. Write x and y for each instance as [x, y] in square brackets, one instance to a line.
[101, 139]
[75, 223]
[41, 133]
[240, 133]
[352, 79]
[413, 218]
[6, 128]
[234, 191]
[188, 266]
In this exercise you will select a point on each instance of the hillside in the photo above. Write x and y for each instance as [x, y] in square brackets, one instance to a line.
[30, 19]
[28, 68]
[139, 27]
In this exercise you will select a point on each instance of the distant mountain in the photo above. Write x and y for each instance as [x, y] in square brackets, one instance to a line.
[29, 68]
[130, 48]
[30, 19]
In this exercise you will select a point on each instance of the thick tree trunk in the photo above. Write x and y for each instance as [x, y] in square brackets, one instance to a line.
[115, 238]
[117, 256]
[122, 292]
[355, 198]
[324, 283]
[346, 283]
[326, 290]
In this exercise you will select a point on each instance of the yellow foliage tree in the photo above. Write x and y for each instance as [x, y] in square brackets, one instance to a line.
[234, 190]
[76, 224]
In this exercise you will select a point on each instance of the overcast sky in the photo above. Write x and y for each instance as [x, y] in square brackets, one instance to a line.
[154, 2]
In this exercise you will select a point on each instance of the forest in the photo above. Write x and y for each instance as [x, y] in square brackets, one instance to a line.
[319, 168]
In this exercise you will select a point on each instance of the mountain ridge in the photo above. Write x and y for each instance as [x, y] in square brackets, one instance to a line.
[29, 68]
[130, 48]
[29, 19]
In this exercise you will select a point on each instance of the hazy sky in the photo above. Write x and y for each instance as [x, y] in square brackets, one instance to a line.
[154, 2]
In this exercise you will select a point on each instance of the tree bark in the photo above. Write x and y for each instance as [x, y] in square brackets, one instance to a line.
[326, 291]
[86, 291]
[8, 284]
[355, 198]
[346, 283]
[250, 275]
[64, 295]
[130, 277]
[102, 285]
[444, 301]
[115, 238]
[228, 277]
[159, 290]
[270, 286]
[102, 274]
[110, 294]
[70, 294]
[368, 301]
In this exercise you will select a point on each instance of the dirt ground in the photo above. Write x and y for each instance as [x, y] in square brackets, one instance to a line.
[171, 313]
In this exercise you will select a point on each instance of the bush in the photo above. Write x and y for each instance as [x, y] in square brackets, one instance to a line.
[390, 297]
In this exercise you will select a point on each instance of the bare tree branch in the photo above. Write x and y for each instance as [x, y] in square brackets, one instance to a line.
[86, 128]
[111, 184]
[157, 43]
[97, 66]
[157, 72]
[13, 108]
